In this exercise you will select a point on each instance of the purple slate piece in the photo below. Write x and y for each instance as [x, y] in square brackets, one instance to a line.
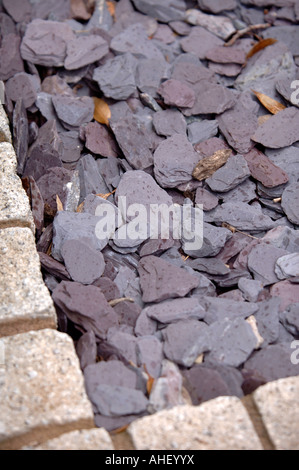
[55, 9]
[133, 139]
[169, 122]
[240, 123]
[169, 10]
[281, 130]
[155, 247]
[228, 70]
[273, 363]
[72, 147]
[119, 401]
[217, 309]
[73, 111]
[184, 341]
[145, 326]
[211, 99]
[134, 40]
[149, 74]
[204, 384]
[149, 352]
[264, 170]
[45, 42]
[176, 93]
[116, 78]
[233, 173]
[86, 306]
[110, 170]
[84, 263]
[7, 25]
[231, 341]
[289, 202]
[161, 280]
[25, 85]
[74, 226]
[261, 262]
[85, 50]
[206, 198]
[128, 312]
[211, 266]
[290, 319]
[86, 349]
[217, 6]
[54, 183]
[99, 140]
[200, 41]
[45, 152]
[56, 85]
[108, 287]
[172, 311]
[287, 292]
[124, 344]
[91, 181]
[11, 61]
[226, 55]
[175, 160]
[110, 373]
[53, 267]
[202, 131]
[18, 11]
[267, 318]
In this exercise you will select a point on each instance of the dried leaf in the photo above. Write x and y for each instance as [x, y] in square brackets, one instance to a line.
[260, 45]
[150, 381]
[272, 105]
[102, 112]
[59, 204]
[207, 166]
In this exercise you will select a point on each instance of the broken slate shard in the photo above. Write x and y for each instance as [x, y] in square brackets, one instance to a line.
[84, 263]
[202, 131]
[11, 60]
[119, 401]
[204, 383]
[234, 172]
[116, 78]
[287, 266]
[161, 280]
[200, 41]
[289, 202]
[169, 122]
[73, 111]
[261, 262]
[134, 40]
[45, 42]
[281, 130]
[264, 170]
[174, 161]
[176, 93]
[172, 311]
[85, 50]
[23, 85]
[169, 10]
[99, 140]
[55, 183]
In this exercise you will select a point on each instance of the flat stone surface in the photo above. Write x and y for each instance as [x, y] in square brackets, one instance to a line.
[280, 130]
[233, 173]
[99, 140]
[25, 300]
[226, 55]
[287, 266]
[85, 439]
[176, 93]
[172, 311]
[278, 404]
[85, 50]
[169, 122]
[222, 423]
[287, 292]
[5, 135]
[84, 263]
[169, 11]
[25, 85]
[200, 41]
[206, 198]
[218, 309]
[11, 62]
[202, 131]
[43, 393]
[262, 169]
[108, 401]
[290, 319]
[73, 111]
[134, 40]
[160, 280]
[261, 262]
[289, 202]
[204, 384]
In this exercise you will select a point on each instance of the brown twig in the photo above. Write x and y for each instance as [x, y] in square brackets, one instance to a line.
[244, 31]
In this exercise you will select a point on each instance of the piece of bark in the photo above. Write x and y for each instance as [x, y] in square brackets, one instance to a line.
[207, 166]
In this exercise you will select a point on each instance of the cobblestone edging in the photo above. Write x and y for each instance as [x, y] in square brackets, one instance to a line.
[43, 403]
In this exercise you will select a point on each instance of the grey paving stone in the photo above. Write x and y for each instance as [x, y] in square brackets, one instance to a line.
[222, 423]
[25, 300]
[43, 394]
[85, 439]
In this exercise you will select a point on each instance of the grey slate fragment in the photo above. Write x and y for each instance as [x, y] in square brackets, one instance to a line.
[73, 111]
[72, 146]
[119, 401]
[86, 349]
[211, 266]
[241, 216]
[169, 122]
[287, 159]
[133, 139]
[201, 131]
[134, 40]
[267, 318]
[149, 352]
[74, 226]
[160, 280]
[289, 203]
[250, 289]
[283, 237]
[217, 309]
[273, 362]
[169, 10]
[20, 134]
[287, 266]
[174, 161]
[240, 123]
[281, 130]
[124, 343]
[261, 262]
[204, 383]
[145, 326]
[45, 42]
[245, 192]
[91, 181]
[290, 319]
[232, 341]
[185, 341]
[116, 78]
[288, 34]
[176, 93]
[149, 74]
[232, 377]
[211, 98]
[11, 60]
[44, 103]
[214, 239]
[23, 85]
[85, 50]
[226, 55]
[84, 263]
[200, 41]
[205, 287]
[208, 200]
[217, 6]
[172, 311]
[233, 173]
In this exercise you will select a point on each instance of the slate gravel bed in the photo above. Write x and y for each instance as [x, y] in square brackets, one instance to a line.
[125, 99]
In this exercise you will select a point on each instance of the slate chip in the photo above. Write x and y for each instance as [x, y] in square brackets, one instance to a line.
[85, 306]
[134, 40]
[99, 140]
[172, 311]
[73, 111]
[86, 349]
[289, 202]
[267, 318]
[112, 373]
[108, 403]
[202, 131]
[149, 74]
[218, 309]
[204, 384]
[234, 172]
[262, 169]
[290, 319]
[281, 130]
[85, 50]
[169, 122]
[11, 60]
[174, 161]
[200, 41]
[116, 78]
[149, 352]
[84, 263]
[45, 42]
[226, 55]
[25, 85]
[185, 341]
[168, 11]
[176, 93]
[206, 198]
[160, 280]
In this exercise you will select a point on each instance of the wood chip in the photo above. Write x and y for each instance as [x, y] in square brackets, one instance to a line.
[118, 301]
[207, 166]
[102, 112]
[269, 103]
